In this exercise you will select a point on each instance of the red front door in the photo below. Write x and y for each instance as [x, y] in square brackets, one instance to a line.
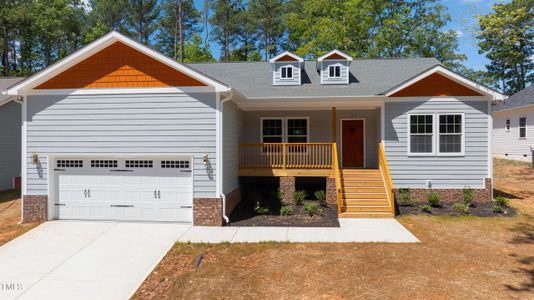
[352, 143]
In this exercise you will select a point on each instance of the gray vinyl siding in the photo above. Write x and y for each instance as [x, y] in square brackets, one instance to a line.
[445, 172]
[166, 124]
[507, 144]
[232, 123]
[320, 128]
[277, 80]
[344, 79]
[10, 136]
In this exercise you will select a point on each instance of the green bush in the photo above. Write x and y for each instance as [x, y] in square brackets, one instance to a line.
[469, 195]
[404, 197]
[321, 196]
[434, 198]
[298, 197]
[498, 209]
[461, 208]
[426, 208]
[313, 209]
[286, 211]
[502, 201]
[260, 210]
[280, 196]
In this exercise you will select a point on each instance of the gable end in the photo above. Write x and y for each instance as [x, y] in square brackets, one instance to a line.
[435, 85]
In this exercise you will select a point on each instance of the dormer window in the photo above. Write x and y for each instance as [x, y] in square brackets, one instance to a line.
[334, 71]
[287, 68]
[334, 67]
[286, 72]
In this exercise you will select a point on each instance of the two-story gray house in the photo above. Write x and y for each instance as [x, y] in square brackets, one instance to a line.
[117, 131]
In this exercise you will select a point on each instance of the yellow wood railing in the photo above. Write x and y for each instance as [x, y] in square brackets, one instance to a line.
[384, 169]
[286, 155]
[335, 170]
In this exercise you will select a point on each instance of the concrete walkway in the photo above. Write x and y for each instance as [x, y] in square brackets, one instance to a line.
[350, 230]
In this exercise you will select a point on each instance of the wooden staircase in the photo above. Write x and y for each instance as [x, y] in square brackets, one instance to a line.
[364, 194]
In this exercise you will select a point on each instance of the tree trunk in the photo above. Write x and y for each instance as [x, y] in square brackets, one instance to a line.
[5, 53]
[181, 30]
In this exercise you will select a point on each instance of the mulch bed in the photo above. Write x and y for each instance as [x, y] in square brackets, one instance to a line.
[244, 215]
[477, 209]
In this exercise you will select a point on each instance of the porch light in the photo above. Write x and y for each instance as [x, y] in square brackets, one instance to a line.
[35, 158]
[205, 158]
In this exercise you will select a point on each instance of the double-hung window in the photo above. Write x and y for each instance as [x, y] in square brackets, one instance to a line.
[451, 134]
[272, 130]
[421, 134]
[297, 130]
[286, 72]
[334, 71]
[523, 128]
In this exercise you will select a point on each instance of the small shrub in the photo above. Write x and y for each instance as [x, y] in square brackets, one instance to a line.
[313, 209]
[426, 208]
[321, 196]
[404, 197]
[469, 195]
[280, 196]
[286, 211]
[498, 209]
[260, 210]
[461, 208]
[434, 198]
[502, 201]
[298, 197]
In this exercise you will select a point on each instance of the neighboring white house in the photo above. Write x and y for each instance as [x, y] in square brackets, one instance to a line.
[513, 126]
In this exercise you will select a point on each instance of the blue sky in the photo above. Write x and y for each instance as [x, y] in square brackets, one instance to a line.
[463, 21]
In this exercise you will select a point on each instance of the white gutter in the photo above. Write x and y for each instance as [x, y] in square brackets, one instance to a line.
[220, 158]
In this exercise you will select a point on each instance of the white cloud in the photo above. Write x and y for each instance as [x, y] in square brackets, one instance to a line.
[459, 33]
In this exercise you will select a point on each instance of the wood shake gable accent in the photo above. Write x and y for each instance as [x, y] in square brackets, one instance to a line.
[120, 66]
[435, 85]
[287, 58]
[335, 56]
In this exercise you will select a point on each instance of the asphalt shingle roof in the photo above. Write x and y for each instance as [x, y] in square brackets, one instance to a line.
[6, 82]
[522, 98]
[368, 77]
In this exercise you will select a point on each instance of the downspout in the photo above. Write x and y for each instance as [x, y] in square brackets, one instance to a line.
[220, 162]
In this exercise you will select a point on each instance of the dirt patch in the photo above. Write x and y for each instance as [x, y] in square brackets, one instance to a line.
[447, 209]
[10, 217]
[459, 257]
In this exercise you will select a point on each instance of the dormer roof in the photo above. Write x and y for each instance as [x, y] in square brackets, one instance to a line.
[286, 56]
[335, 55]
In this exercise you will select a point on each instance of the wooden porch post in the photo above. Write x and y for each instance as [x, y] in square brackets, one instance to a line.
[334, 131]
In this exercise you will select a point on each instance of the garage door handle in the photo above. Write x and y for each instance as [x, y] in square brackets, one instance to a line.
[60, 204]
[186, 206]
[120, 205]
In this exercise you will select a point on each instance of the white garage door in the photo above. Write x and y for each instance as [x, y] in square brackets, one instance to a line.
[124, 189]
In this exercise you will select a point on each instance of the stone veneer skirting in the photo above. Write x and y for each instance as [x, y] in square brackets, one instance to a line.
[34, 208]
[287, 186]
[207, 211]
[331, 191]
[452, 195]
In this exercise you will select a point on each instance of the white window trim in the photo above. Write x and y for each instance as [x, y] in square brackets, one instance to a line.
[292, 72]
[334, 66]
[409, 135]
[519, 128]
[462, 148]
[508, 125]
[284, 126]
[271, 118]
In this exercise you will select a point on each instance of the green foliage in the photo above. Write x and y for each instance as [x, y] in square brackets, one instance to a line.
[141, 19]
[426, 208]
[260, 210]
[321, 196]
[225, 24]
[498, 209]
[434, 198]
[502, 201]
[469, 195]
[404, 197]
[195, 51]
[286, 210]
[461, 207]
[298, 197]
[280, 196]
[313, 209]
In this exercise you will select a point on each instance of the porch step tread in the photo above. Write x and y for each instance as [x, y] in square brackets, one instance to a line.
[366, 215]
[365, 209]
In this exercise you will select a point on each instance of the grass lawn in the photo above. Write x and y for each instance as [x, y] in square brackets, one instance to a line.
[458, 258]
[10, 217]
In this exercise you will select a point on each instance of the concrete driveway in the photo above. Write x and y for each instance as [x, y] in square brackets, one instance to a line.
[83, 260]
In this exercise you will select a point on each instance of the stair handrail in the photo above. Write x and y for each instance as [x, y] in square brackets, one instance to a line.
[335, 170]
[384, 169]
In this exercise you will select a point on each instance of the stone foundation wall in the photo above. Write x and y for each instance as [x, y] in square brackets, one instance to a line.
[287, 186]
[452, 195]
[207, 212]
[331, 191]
[34, 208]
[232, 200]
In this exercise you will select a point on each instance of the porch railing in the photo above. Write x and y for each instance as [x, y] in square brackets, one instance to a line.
[286, 155]
[335, 169]
[384, 169]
